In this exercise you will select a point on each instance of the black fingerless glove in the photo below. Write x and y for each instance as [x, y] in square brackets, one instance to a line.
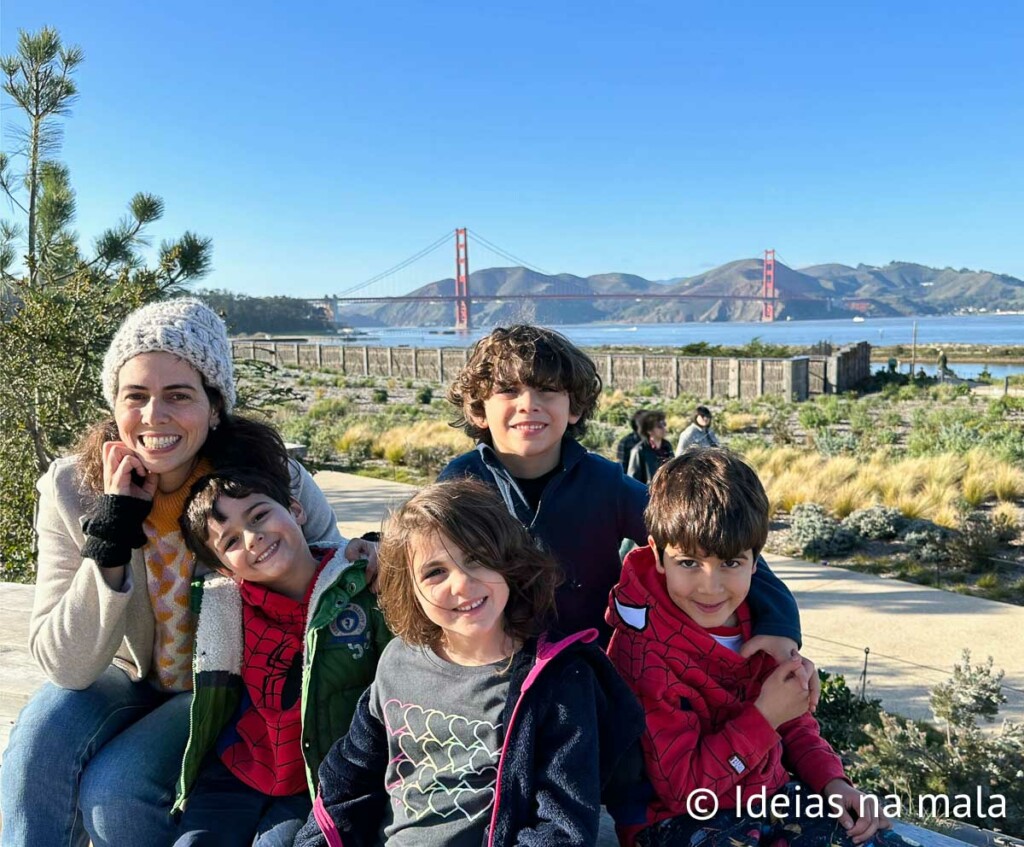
[116, 529]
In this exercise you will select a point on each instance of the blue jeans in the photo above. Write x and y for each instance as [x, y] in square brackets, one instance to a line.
[222, 811]
[97, 764]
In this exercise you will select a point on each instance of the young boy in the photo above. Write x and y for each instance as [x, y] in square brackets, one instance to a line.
[287, 639]
[721, 729]
[525, 395]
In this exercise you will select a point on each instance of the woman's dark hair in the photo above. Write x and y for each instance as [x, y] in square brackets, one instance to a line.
[236, 442]
[702, 412]
[473, 517]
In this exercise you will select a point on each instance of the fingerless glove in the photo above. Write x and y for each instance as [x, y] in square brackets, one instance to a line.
[116, 529]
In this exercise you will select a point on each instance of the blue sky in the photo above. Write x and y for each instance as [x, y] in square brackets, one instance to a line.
[319, 144]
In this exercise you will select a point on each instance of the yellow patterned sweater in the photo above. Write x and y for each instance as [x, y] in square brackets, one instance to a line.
[169, 570]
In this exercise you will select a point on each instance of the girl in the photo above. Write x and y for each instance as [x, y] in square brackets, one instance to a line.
[98, 747]
[480, 727]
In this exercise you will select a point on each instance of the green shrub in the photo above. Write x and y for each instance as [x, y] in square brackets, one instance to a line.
[425, 395]
[842, 715]
[817, 533]
[647, 388]
[831, 442]
[330, 407]
[875, 523]
[379, 395]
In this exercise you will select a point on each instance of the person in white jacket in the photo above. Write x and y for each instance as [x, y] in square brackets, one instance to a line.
[698, 433]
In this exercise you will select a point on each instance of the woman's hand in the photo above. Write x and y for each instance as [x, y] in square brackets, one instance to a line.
[124, 473]
[862, 816]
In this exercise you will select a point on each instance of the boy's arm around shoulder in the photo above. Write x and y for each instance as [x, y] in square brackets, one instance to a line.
[351, 800]
[772, 605]
[680, 756]
[632, 500]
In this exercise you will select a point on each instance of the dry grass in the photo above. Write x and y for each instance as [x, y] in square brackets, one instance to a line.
[928, 487]
[396, 443]
[737, 421]
[1008, 483]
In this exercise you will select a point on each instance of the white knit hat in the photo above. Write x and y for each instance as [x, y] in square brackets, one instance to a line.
[186, 327]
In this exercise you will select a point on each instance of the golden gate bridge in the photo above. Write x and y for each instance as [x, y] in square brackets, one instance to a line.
[462, 298]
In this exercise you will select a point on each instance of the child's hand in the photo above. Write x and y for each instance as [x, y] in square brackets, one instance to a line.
[124, 473]
[360, 548]
[782, 650]
[784, 695]
[863, 816]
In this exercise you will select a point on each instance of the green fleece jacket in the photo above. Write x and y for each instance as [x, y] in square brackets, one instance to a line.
[345, 635]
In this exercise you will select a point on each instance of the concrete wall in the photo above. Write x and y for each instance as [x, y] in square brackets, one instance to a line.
[705, 377]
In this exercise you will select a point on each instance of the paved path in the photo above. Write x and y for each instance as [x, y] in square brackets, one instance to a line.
[915, 634]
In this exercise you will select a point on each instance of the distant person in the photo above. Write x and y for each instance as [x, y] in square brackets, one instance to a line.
[652, 450]
[943, 362]
[628, 442]
[698, 433]
[730, 727]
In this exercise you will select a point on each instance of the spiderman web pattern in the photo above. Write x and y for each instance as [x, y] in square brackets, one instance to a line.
[445, 765]
[264, 750]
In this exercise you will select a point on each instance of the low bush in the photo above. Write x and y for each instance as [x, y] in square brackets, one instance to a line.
[876, 523]
[379, 395]
[817, 533]
[425, 395]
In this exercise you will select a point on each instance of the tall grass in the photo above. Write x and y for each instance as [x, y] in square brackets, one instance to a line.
[920, 487]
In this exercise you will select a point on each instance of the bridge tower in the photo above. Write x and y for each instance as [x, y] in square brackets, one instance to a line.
[768, 287]
[462, 313]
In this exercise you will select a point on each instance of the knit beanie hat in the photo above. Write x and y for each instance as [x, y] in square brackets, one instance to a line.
[186, 327]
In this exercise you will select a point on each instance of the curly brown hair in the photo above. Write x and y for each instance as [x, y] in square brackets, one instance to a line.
[530, 355]
[473, 517]
[708, 500]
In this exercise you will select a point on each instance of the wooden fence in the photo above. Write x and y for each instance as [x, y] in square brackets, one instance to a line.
[706, 377]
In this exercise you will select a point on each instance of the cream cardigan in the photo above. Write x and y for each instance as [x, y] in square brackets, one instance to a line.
[79, 625]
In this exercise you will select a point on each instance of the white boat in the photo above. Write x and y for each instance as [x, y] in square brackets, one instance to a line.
[858, 319]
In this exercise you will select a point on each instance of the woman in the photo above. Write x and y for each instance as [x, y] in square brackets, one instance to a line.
[96, 750]
[698, 433]
[653, 449]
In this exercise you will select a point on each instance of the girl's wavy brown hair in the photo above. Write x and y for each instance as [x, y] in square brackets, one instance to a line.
[471, 516]
[530, 355]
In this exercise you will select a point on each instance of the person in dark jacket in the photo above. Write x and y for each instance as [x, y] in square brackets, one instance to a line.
[653, 449]
[481, 727]
[525, 395]
[629, 441]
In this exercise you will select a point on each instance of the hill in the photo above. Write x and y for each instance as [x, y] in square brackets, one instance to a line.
[819, 291]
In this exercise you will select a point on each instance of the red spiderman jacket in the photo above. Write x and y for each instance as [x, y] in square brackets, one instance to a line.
[703, 730]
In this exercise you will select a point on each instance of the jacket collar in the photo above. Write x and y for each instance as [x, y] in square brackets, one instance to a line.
[515, 501]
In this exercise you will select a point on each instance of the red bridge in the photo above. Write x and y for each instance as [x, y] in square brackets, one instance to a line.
[462, 298]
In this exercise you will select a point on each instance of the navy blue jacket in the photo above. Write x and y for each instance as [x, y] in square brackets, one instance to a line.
[569, 719]
[584, 513]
